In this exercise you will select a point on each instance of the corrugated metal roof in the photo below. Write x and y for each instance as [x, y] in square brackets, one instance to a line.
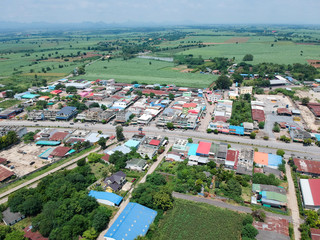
[111, 197]
[48, 143]
[204, 148]
[306, 192]
[134, 220]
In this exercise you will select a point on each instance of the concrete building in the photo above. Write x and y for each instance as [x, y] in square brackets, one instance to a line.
[66, 113]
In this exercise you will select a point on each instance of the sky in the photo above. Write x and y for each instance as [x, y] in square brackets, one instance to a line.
[162, 11]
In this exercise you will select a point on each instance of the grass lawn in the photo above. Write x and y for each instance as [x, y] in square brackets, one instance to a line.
[142, 71]
[97, 169]
[9, 103]
[191, 220]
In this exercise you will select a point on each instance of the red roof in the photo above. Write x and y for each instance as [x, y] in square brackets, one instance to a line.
[258, 170]
[106, 157]
[189, 105]
[232, 155]
[315, 108]
[204, 148]
[33, 235]
[60, 151]
[315, 234]
[56, 92]
[220, 119]
[258, 115]
[59, 136]
[156, 92]
[154, 142]
[3, 160]
[315, 190]
[273, 224]
[5, 173]
[307, 166]
[284, 111]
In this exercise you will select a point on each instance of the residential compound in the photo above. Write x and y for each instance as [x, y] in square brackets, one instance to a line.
[184, 112]
[239, 160]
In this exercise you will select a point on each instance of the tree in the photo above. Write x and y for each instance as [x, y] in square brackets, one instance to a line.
[81, 70]
[248, 57]
[237, 78]
[90, 234]
[170, 125]
[102, 142]
[261, 125]
[119, 133]
[248, 219]
[280, 152]
[223, 82]
[71, 89]
[15, 235]
[94, 157]
[307, 141]
[163, 200]
[28, 138]
[253, 135]
[156, 179]
[190, 140]
[171, 96]
[249, 231]
[152, 95]
[4, 231]
[276, 127]
[215, 131]
[100, 218]
[305, 100]
[209, 130]
[41, 104]
[81, 162]
[94, 105]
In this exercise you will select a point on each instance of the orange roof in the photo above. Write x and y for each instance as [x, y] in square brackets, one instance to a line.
[44, 97]
[189, 105]
[261, 158]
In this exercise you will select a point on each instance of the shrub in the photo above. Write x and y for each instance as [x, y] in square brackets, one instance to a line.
[249, 231]
[209, 130]
[253, 135]
[265, 138]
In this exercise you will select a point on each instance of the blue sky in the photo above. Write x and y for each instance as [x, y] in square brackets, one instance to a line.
[162, 11]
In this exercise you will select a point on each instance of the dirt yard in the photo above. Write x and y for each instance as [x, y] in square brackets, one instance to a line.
[21, 155]
[307, 115]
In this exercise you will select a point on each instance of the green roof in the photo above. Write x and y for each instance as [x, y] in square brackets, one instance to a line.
[256, 187]
[276, 196]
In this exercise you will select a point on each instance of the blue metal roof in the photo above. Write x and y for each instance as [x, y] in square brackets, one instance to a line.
[30, 96]
[274, 160]
[48, 143]
[132, 143]
[236, 130]
[46, 154]
[67, 110]
[111, 197]
[134, 221]
[192, 148]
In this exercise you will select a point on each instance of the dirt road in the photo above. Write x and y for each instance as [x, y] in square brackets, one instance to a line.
[293, 203]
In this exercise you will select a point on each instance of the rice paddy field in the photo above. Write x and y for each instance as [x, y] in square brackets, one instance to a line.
[142, 71]
[24, 55]
[190, 220]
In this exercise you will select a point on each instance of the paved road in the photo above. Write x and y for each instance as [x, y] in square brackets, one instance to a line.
[4, 195]
[221, 204]
[297, 148]
[143, 180]
[293, 203]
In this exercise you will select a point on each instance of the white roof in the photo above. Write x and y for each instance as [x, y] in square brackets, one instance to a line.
[306, 192]
[94, 137]
[145, 117]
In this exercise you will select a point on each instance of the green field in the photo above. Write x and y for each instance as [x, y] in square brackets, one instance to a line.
[141, 71]
[190, 220]
[281, 52]
[9, 103]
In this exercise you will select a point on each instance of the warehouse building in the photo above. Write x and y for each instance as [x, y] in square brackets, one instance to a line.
[310, 189]
[106, 198]
[134, 221]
